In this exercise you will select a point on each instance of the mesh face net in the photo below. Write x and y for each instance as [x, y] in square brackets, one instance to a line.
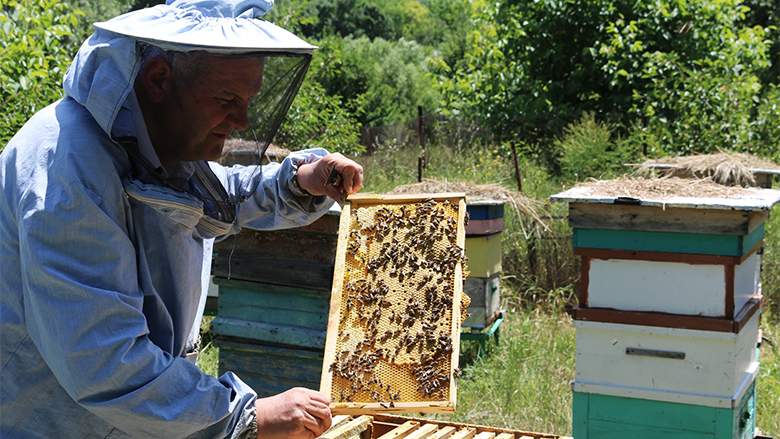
[282, 76]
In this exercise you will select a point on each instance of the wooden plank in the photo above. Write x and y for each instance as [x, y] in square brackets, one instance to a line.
[687, 258]
[751, 200]
[277, 257]
[326, 382]
[271, 333]
[465, 433]
[665, 320]
[757, 219]
[729, 297]
[657, 219]
[584, 282]
[368, 198]
[666, 242]
[401, 431]
[280, 271]
[349, 429]
[510, 436]
[456, 314]
[389, 419]
[443, 432]
[484, 227]
[653, 319]
[338, 420]
[356, 408]
[746, 313]
[425, 431]
[485, 435]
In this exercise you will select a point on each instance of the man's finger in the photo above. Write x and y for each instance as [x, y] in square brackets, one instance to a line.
[335, 193]
[314, 424]
[319, 410]
[319, 396]
[348, 179]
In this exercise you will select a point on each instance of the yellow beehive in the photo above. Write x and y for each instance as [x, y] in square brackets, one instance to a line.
[394, 324]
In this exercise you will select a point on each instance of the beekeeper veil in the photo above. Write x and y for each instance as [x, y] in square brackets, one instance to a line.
[188, 29]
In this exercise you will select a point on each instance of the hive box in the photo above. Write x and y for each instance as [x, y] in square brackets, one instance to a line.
[666, 364]
[598, 416]
[485, 304]
[678, 262]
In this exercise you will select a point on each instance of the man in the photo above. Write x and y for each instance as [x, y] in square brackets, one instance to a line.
[106, 200]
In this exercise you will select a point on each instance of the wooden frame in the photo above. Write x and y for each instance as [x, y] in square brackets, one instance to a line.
[658, 219]
[665, 320]
[334, 318]
[384, 426]
[728, 262]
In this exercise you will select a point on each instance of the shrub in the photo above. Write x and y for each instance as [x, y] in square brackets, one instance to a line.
[380, 82]
[317, 119]
[37, 42]
[589, 151]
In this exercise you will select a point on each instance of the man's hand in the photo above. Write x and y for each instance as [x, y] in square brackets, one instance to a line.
[296, 413]
[314, 177]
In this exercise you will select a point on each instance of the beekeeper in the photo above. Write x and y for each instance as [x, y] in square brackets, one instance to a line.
[107, 197]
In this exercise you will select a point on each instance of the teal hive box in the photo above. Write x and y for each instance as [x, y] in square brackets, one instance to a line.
[272, 336]
[282, 315]
[611, 417]
[270, 369]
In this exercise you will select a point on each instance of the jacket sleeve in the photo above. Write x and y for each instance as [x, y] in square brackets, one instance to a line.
[83, 310]
[273, 202]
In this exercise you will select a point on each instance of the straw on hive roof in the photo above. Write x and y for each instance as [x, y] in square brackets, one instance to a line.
[521, 204]
[662, 188]
[728, 168]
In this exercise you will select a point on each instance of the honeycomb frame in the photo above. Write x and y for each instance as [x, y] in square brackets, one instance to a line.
[445, 400]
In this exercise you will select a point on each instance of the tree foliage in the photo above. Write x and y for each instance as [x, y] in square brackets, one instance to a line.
[379, 81]
[686, 70]
[37, 44]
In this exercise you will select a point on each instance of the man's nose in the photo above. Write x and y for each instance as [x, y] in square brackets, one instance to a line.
[239, 117]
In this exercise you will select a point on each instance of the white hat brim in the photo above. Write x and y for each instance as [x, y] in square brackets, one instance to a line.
[187, 30]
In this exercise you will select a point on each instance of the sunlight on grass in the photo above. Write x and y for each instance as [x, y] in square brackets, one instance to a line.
[522, 383]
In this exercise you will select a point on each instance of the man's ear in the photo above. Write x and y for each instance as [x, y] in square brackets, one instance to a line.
[155, 79]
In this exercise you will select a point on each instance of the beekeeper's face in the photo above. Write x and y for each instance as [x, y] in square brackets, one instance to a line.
[198, 100]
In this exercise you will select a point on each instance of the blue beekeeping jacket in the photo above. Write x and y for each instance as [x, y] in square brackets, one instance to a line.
[99, 291]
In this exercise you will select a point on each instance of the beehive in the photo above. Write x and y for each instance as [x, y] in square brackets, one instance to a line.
[669, 307]
[394, 324]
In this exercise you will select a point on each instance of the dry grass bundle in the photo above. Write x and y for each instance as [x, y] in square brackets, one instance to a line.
[520, 204]
[663, 188]
[726, 168]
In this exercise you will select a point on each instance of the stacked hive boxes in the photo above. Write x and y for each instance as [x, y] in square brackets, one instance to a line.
[483, 250]
[667, 322]
[274, 293]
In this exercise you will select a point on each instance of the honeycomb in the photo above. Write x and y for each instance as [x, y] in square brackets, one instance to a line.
[396, 317]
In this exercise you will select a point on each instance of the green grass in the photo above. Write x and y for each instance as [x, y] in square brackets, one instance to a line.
[524, 383]
[768, 391]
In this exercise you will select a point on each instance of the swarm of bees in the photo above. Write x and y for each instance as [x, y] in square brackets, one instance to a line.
[394, 339]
